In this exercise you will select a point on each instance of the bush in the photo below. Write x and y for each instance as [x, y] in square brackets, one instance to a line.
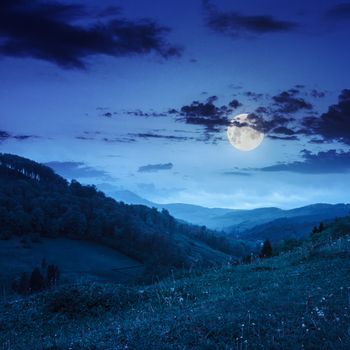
[90, 300]
[290, 244]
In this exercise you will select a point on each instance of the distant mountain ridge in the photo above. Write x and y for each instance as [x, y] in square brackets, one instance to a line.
[260, 223]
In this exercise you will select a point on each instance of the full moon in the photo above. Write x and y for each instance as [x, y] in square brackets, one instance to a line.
[244, 138]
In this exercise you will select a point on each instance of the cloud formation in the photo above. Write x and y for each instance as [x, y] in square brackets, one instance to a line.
[237, 25]
[150, 168]
[335, 123]
[288, 102]
[327, 162]
[67, 34]
[339, 11]
[75, 170]
[4, 135]
[208, 114]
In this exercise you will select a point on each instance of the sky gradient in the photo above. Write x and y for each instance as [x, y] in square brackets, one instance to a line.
[138, 95]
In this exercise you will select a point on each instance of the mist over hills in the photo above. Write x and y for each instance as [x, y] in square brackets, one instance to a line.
[255, 224]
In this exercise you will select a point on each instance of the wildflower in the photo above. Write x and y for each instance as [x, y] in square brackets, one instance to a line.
[320, 312]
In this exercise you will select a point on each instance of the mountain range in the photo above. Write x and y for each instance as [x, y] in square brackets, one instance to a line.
[255, 224]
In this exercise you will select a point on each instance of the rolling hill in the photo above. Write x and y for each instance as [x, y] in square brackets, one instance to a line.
[37, 203]
[298, 300]
[255, 224]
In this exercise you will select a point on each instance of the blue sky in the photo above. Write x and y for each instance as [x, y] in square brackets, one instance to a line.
[108, 92]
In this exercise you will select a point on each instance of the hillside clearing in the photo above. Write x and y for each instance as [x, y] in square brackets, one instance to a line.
[297, 300]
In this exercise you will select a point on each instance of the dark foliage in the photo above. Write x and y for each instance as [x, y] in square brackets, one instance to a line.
[34, 200]
[37, 282]
[266, 250]
[45, 277]
[317, 230]
[53, 275]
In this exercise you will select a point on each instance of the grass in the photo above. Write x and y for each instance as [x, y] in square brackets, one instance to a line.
[299, 300]
[77, 260]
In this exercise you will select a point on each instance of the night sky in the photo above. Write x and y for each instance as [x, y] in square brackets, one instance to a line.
[138, 95]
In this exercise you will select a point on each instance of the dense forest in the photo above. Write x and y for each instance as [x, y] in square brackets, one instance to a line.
[34, 201]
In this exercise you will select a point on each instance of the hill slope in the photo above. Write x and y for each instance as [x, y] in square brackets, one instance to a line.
[77, 260]
[297, 300]
[36, 201]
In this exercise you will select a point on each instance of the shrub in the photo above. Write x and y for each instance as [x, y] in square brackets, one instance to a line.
[90, 300]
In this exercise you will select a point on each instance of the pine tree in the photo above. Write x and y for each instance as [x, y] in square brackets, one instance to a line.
[52, 275]
[266, 250]
[37, 282]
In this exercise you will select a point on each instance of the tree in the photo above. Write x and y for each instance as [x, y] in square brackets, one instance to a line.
[266, 250]
[321, 227]
[52, 275]
[37, 282]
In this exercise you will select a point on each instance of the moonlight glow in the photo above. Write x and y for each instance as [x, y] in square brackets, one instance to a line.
[244, 138]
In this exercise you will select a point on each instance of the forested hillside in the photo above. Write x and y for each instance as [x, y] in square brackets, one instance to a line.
[35, 201]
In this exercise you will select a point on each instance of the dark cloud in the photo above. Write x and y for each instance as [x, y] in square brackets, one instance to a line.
[97, 136]
[274, 120]
[339, 11]
[4, 135]
[335, 123]
[208, 114]
[234, 104]
[75, 170]
[66, 34]
[282, 130]
[108, 114]
[237, 25]
[283, 138]
[140, 113]
[254, 96]
[160, 136]
[120, 139]
[288, 102]
[317, 94]
[328, 162]
[155, 167]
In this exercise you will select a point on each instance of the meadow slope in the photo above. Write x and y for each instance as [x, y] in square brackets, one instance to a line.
[298, 300]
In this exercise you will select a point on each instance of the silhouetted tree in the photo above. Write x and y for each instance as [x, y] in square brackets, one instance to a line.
[52, 275]
[321, 227]
[266, 250]
[37, 282]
